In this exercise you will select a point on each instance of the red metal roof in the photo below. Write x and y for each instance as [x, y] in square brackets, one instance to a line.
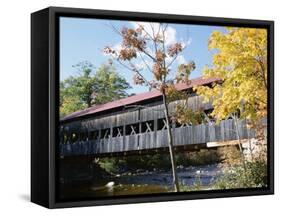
[136, 98]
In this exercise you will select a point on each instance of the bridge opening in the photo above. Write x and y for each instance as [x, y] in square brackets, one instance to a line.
[117, 132]
[94, 135]
[132, 129]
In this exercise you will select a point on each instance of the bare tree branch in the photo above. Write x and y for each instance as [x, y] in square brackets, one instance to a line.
[150, 56]
[145, 31]
[147, 66]
[115, 29]
[135, 71]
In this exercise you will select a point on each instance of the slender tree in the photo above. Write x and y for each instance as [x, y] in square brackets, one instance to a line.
[144, 49]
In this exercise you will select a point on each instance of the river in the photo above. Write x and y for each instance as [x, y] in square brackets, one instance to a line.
[146, 182]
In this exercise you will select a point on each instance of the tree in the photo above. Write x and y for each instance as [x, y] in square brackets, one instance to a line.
[109, 85]
[240, 61]
[148, 45]
[89, 88]
[75, 91]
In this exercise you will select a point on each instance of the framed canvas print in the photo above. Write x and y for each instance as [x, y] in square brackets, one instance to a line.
[139, 107]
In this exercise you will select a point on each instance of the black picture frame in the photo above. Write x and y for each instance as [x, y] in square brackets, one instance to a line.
[45, 103]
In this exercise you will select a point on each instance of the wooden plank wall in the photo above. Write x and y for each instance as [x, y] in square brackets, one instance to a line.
[133, 116]
[187, 135]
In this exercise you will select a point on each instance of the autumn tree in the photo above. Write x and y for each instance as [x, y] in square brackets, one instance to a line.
[91, 87]
[147, 44]
[240, 61]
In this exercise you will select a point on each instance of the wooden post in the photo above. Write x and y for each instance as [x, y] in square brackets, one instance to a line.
[155, 131]
[110, 147]
[139, 134]
[124, 137]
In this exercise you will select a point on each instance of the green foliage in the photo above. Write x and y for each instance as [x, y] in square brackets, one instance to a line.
[109, 85]
[158, 161]
[89, 88]
[109, 164]
[184, 114]
[135, 162]
[69, 101]
[196, 186]
[236, 177]
[198, 158]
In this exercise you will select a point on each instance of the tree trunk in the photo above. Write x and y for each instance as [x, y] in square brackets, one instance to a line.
[170, 143]
[239, 142]
[249, 141]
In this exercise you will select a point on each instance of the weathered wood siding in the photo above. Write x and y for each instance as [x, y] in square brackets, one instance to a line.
[187, 135]
[131, 117]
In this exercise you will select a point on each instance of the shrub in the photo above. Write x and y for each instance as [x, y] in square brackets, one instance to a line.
[230, 155]
[202, 157]
[196, 186]
[254, 176]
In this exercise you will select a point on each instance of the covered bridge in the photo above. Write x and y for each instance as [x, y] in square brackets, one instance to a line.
[137, 123]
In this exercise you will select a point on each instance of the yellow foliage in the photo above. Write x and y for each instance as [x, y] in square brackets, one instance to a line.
[240, 60]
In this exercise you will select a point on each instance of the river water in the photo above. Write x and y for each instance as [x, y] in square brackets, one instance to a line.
[147, 182]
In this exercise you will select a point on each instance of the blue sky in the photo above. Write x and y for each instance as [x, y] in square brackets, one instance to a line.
[83, 39]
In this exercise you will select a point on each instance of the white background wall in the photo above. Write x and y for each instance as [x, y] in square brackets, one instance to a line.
[15, 106]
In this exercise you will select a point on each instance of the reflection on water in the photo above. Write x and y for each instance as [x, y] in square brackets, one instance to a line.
[144, 182]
